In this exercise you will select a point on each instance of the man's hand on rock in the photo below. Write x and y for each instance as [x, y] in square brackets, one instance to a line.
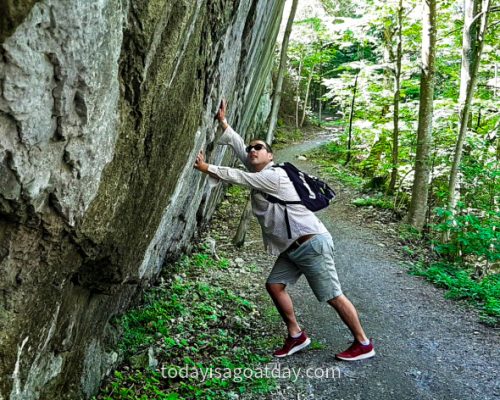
[200, 163]
[221, 114]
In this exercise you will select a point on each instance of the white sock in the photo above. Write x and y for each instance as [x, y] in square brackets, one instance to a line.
[366, 342]
[296, 335]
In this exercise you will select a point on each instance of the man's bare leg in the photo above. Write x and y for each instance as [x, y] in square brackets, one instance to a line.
[284, 304]
[349, 315]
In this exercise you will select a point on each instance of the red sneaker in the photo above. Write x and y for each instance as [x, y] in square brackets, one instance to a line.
[292, 345]
[357, 351]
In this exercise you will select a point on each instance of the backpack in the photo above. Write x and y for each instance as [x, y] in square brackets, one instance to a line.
[314, 193]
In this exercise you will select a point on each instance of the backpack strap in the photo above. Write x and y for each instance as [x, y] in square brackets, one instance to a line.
[273, 199]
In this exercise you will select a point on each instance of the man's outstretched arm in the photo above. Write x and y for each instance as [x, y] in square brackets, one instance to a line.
[230, 137]
[266, 181]
[202, 166]
[221, 115]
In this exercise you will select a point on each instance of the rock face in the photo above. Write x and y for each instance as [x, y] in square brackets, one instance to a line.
[103, 107]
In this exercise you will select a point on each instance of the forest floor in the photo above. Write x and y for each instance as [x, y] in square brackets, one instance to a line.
[427, 347]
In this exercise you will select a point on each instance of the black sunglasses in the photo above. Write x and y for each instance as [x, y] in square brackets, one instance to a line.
[257, 147]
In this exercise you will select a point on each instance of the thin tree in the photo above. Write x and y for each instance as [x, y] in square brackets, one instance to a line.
[239, 237]
[281, 74]
[420, 189]
[306, 96]
[320, 87]
[498, 143]
[474, 30]
[396, 98]
[297, 91]
[351, 117]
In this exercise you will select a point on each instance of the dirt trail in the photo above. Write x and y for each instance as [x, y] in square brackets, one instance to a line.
[427, 347]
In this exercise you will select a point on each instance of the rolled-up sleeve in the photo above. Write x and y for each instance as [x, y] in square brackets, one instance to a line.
[231, 138]
[267, 181]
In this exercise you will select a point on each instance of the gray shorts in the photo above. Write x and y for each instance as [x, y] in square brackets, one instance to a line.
[314, 259]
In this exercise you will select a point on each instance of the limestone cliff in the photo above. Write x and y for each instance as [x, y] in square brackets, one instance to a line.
[103, 107]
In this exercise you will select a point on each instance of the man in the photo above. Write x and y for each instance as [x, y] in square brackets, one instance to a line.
[309, 251]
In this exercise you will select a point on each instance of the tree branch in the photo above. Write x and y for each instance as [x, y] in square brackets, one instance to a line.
[493, 24]
[450, 32]
[491, 10]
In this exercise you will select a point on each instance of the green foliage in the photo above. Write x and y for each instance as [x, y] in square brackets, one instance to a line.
[329, 157]
[480, 176]
[380, 202]
[192, 327]
[476, 235]
[484, 294]
[236, 191]
[315, 23]
[287, 135]
[342, 8]
[315, 345]
[408, 233]
[410, 89]
[374, 165]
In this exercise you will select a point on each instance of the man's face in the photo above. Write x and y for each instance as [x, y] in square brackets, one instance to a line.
[258, 156]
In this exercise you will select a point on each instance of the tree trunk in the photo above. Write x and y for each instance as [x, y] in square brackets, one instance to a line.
[498, 144]
[281, 74]
[496, 81]
[420, 189]
[306, 98]
[320, 105]
[351, 117]
[475, 25]
[297, 94]
[397, 95]
[430, 191]
[239, 237]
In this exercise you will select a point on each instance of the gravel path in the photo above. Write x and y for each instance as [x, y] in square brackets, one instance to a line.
[427, 347]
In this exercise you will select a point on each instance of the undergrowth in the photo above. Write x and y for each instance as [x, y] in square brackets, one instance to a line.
[329, 158]
[380, 202]
[191, 339]
[483, 294]
[475, 239]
